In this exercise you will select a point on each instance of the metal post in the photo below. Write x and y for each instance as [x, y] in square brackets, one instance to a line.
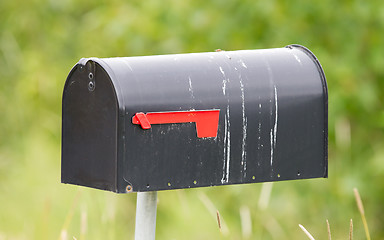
[146, 216]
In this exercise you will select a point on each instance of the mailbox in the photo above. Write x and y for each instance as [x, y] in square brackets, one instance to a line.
[153, 123]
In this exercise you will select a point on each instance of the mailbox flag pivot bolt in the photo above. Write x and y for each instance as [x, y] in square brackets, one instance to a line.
[141, 118]
[207, 121]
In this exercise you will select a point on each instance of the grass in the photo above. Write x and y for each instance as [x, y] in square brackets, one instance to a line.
[41, 40]
[360, 207]
[362, 212]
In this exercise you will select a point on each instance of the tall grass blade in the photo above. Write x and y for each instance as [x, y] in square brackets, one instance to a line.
[218, 219]
[351, 230]
[83, 225]
[68, 219]
[63, 235]
[265, 195]
[273, 227]
[246, 222]
[329, 231]
[212, 209]
[306, 232]
[362, 213]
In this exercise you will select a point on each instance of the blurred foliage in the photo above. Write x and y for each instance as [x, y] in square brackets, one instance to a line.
[40, 40]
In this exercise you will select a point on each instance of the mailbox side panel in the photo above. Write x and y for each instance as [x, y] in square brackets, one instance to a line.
[89, 128]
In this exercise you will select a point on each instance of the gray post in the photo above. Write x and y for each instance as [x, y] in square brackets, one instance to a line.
[146, 216]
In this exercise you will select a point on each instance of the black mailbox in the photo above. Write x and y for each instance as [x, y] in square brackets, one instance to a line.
[193, 120]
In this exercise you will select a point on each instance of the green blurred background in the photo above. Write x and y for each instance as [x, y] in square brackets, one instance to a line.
[40, 40]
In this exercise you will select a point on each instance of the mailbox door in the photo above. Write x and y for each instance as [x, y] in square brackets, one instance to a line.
[89, 128]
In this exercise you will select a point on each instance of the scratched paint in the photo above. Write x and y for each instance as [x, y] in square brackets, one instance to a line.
[227, 133]
[190, 88]
[225, 149]
[271, 139]
[222, 71]
[297, 59]
[228, 145]
[274, 114]
[276, 117]
[224, 87]
[242, 63]
[259, 126]
[245, 123]
[273, 132]
[224, 179]
[129, 66]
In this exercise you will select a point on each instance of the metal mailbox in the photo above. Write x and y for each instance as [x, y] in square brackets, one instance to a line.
[153, 123]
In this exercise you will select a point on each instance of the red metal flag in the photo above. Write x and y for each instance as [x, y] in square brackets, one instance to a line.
[207, 121]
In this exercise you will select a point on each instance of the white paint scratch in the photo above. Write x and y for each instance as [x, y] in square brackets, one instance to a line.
[273, 133]
[259, 134]
[222, 71]
[259, 126]
[190, 89]
[227, 133]
[269, 69]
[228, 144]
[276, 117]
[129, 66]
[271, 138]
[224, 86]
[225, 80]
[297, 59]
[245, 125]
[227, 147]
[242, 63]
